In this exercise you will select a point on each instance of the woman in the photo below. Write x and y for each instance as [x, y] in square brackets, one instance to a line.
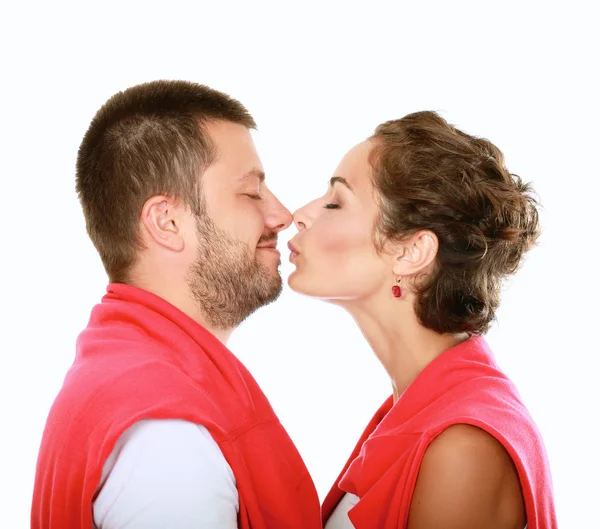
[419, 227]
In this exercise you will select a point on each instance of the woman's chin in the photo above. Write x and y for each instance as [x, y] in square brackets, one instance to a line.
[294, 283]
[301, 285]
[307, 288]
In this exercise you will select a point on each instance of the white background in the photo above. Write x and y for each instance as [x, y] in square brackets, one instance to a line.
[318, 77]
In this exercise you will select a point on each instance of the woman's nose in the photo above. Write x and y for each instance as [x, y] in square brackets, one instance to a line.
[306, 215]
[299, 219]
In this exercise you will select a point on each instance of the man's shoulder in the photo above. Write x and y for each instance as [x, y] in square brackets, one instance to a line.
[100, 395]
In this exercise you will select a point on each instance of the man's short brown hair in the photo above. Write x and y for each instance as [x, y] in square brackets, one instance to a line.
[145, 141]
[430, 175]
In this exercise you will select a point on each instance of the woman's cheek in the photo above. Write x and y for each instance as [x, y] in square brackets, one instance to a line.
[342, 237]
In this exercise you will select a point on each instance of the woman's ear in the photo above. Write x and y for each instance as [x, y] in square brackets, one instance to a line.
[416, 254]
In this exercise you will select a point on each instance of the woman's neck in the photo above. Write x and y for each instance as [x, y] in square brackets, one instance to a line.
[403, 346]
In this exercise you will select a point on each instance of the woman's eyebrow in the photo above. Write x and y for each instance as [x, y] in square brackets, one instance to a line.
[341, 180]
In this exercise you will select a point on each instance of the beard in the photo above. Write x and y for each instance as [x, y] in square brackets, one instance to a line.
[226, 280]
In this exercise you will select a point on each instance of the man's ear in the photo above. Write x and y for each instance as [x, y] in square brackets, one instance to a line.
[416, 254]
[161, 220]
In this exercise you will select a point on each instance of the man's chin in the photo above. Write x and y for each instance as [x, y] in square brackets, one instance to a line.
[271, 284]
[277, 289]
[271, 269]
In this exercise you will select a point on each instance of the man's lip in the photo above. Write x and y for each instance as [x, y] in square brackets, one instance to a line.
[272, 246]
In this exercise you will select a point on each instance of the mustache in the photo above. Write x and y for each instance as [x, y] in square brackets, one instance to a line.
[268, 237]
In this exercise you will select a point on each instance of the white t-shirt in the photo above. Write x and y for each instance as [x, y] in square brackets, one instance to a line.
[171, 473]
[166, 473]
[339, 517]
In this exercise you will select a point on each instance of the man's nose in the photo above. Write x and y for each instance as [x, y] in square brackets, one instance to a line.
[279, 217]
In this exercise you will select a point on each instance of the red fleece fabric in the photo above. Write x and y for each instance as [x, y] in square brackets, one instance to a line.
[461, 386]
[141, 358]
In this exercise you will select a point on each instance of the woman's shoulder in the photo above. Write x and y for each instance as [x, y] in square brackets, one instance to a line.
[467, 470]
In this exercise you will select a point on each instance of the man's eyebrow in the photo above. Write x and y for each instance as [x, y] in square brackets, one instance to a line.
[341, 180]
[253, 173]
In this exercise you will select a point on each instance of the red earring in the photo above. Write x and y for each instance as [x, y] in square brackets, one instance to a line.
[396, 290]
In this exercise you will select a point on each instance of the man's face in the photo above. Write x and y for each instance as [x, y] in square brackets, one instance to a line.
[236, 269]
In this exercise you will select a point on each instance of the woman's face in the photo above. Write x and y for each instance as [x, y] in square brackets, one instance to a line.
[333, 251]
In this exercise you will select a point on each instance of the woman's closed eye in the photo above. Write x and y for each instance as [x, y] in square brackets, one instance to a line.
[331, 206]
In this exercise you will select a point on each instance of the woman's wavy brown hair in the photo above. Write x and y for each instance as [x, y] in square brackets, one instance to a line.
[431, 176]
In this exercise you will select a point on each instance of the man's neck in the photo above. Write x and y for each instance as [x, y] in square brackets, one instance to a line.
[181, 299]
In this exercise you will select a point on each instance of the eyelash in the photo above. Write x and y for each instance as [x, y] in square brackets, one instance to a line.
[254, 197]
[331, 206]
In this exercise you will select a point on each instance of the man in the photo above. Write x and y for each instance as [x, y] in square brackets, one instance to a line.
[158, 424]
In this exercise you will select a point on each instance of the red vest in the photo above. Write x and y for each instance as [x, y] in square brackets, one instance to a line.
[141, 358]
[461, 386]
